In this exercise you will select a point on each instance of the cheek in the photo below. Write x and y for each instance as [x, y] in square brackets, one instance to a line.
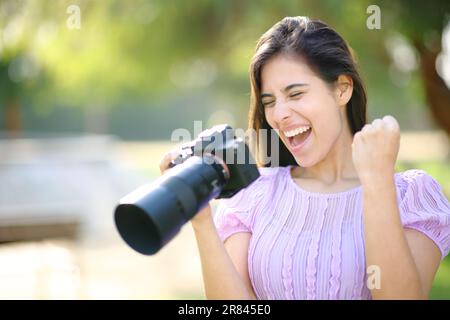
[268, 113]
[326, 121]
[327, 133]
[324, 113]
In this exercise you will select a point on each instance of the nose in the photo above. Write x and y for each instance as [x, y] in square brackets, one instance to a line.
[281, 112]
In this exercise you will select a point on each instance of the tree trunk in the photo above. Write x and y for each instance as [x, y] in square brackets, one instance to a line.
[436, 91]
[13, 118]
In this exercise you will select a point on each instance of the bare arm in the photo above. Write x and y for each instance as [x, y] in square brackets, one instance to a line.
[224, 267]
[237, 248]
[407, 259]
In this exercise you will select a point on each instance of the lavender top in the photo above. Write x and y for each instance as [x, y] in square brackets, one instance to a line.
[308, 245]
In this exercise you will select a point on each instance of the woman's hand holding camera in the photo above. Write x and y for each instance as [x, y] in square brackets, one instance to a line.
[204, 214]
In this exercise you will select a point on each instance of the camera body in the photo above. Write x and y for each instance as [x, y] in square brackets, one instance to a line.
[221, 143]
[215, 165]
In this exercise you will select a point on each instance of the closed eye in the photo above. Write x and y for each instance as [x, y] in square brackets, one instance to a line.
[266, 104]
[293, 95]
[296, 94]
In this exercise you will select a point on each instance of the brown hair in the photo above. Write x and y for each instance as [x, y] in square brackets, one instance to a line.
[325, 51]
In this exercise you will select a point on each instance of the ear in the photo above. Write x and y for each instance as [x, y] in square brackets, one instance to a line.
[344, 89]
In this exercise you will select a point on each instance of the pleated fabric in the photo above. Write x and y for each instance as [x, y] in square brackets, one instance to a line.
[308, 245]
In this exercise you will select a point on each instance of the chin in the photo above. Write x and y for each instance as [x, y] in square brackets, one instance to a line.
[305, 162]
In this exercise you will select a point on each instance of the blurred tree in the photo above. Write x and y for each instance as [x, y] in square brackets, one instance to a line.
[423, 24]
[128, 51]
[13, 42]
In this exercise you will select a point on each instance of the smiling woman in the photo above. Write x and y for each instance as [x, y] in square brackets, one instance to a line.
[335, 209]
[307, 60]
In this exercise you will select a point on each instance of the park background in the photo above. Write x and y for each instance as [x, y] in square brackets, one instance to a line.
[91, 91]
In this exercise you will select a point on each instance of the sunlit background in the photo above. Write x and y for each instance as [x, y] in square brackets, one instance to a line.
[90, 92]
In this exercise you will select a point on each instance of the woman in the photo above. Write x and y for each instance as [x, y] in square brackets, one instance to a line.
[333, 221]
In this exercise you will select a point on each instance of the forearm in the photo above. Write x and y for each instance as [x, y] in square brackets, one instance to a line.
[385, 242]
[220, 277]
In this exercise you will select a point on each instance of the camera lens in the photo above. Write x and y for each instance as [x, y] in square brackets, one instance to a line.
[149, 217]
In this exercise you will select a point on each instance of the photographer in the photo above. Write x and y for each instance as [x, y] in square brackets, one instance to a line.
[317, 226]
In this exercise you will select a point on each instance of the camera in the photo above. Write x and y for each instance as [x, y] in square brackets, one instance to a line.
[216, 164]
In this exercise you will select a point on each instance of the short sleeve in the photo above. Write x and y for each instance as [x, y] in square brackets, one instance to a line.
[237, 213]
[425, 208]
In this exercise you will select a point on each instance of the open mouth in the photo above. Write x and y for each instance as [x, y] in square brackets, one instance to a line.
[299, 138]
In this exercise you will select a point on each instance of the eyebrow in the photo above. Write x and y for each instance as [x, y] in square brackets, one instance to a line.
[289, 87]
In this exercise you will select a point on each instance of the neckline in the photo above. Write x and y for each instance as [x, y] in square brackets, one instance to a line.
[319, 194]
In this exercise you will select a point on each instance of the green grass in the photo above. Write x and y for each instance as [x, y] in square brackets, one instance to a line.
[441, 285]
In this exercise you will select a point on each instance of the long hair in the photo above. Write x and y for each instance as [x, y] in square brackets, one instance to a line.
[326, 53]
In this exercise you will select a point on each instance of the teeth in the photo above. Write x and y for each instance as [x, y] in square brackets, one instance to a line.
[296, 131]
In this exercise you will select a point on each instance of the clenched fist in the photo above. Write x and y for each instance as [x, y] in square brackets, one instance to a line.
[375, 149]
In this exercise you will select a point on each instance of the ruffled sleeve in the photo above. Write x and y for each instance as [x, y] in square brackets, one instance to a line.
[237, 213]
[425, 208]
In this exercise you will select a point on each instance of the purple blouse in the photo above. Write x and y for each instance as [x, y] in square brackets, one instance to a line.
[308, 245]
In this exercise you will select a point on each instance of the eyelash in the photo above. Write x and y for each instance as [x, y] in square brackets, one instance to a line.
[291, 96]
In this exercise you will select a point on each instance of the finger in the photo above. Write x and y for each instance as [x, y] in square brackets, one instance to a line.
[357, 135]
[356, 139]
[378, 124]
[391, 123]
[163, 164]
[166, 159]
[367, 129]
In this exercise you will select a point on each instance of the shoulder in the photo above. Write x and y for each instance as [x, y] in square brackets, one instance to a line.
[415, 181]
[418, 189]
[412, 174]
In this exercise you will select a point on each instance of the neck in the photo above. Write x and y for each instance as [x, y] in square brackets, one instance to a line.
[337, 165]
